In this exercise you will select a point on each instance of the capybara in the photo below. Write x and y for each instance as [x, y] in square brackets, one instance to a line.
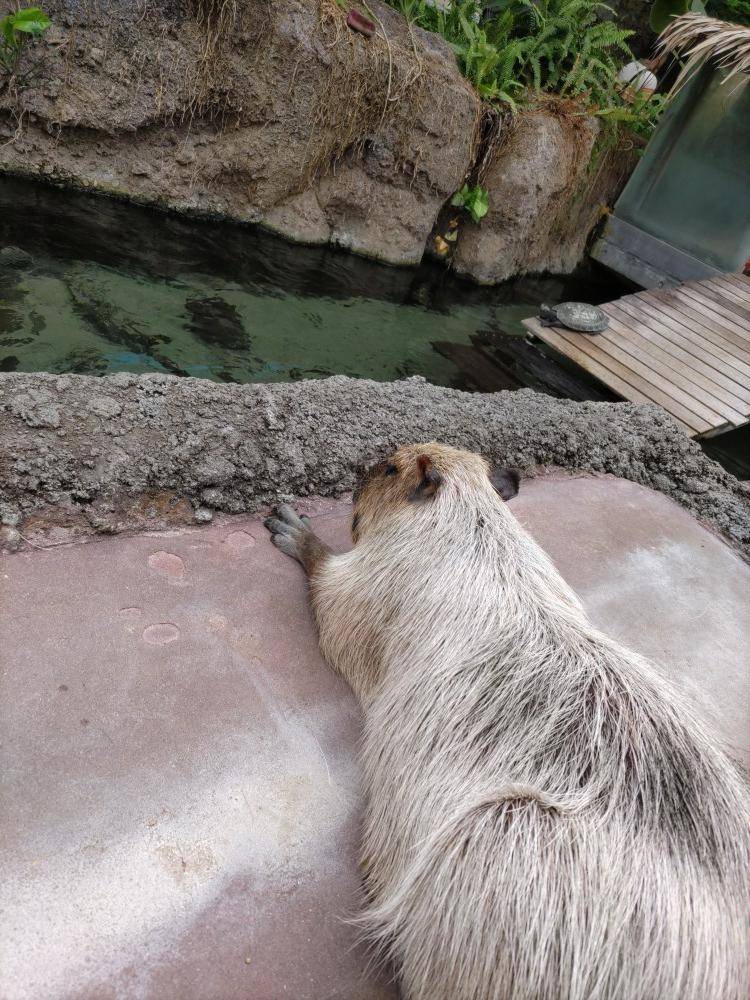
[546, 817]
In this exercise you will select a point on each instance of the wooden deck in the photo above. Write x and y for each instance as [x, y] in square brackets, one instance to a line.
[685, 348]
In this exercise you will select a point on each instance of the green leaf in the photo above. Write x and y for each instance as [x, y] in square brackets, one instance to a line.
[480, 204]
[30, 20]
[514, 48]
[460, 197]
[505, 96]
[6, 26]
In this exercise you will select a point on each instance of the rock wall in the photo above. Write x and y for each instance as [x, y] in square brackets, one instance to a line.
[548, 189]
[81, 454]
[283, 116]
[289, 119]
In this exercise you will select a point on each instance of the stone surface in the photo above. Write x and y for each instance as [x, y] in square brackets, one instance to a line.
[288, 118]
[180, 801]
[546, 194]
[183, 443]
[650, 576]
[181, 806]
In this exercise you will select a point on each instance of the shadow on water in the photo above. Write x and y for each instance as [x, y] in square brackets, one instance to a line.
[732, 450]
[95, 286]
[116, 287]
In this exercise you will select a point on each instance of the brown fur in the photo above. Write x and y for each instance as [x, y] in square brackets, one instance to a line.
[547, 818]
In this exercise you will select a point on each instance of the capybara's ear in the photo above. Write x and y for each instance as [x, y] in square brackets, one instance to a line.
[430, 479]
[505, 482]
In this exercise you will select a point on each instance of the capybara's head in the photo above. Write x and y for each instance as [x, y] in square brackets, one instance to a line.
[418, 473]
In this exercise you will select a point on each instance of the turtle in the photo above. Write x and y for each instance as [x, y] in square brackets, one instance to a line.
[578, 316]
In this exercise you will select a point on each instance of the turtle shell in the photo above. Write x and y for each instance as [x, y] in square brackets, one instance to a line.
[581, 316]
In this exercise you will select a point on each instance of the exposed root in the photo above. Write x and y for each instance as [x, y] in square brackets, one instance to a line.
[216, 18]
[373, 89]
[494, 129]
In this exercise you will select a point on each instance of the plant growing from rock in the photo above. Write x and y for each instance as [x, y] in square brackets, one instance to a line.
[641, 116]
[16, 30]
[474, 199]
[518, 47]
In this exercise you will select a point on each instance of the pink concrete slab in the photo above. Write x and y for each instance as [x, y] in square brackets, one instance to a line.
[180, 804]
[653, 577]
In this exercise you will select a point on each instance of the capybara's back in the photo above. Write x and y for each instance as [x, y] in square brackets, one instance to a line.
[551, 829]
[546, 818]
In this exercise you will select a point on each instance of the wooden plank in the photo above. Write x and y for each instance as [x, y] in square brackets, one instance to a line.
[674, 357]
[737, 283]
[685, 348]
[617, 376]
[554, 338]
[712, 359]
[733, 292]
[680, 312]
[740, 282]
[624, 336]
[715, 285]
[733, 309]
[732, 355]
[628, 370]
[718, 314]
[669, 381]
[704, 314]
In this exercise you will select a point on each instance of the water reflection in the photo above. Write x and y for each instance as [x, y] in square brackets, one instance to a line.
[101, 286]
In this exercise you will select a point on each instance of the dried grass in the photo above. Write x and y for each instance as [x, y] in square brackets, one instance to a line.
[697, 39]
[216, 18]
[373, 88]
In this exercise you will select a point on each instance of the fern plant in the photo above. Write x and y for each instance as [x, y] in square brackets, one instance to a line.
[640, 115]
[572, 51]
[483, 62]
[508, 47]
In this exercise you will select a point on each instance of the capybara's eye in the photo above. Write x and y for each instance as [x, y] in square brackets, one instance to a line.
[391, 470]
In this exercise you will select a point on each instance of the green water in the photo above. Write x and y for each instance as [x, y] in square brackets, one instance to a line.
[80, 316]
[110, 287]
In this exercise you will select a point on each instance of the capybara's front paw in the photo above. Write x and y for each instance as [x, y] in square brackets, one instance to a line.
[288, 531]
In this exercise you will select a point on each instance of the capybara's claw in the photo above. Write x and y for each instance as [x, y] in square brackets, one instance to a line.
[287, 544]
[278, 527]
[290, 517]
[293, 534]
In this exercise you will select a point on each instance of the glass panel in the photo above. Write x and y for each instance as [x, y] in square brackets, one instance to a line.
[692, 187]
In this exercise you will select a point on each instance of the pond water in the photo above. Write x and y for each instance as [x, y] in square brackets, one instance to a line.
[112, 287]
[107, 287]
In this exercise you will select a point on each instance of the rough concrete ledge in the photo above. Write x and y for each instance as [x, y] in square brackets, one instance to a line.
[81, 454]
